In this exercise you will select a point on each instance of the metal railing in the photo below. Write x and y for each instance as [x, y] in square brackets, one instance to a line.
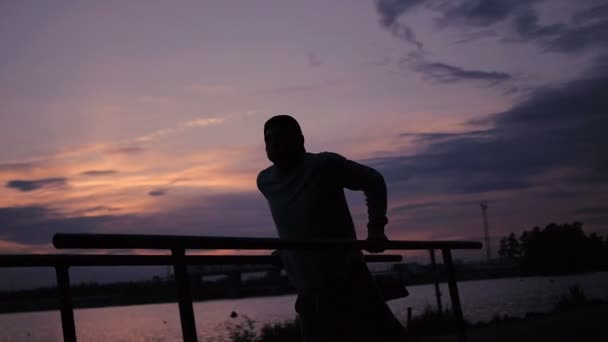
[179, 260]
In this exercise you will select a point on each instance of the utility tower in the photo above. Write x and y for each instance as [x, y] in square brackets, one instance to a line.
[486, 229]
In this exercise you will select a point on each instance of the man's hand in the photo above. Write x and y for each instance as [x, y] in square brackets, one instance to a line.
[376, 242]
[277, 262]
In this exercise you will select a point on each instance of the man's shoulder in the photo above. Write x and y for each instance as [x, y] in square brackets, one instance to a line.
[329, 159]
[327, 156]
[265, 176]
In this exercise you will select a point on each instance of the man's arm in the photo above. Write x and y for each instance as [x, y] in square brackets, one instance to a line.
[355, 176]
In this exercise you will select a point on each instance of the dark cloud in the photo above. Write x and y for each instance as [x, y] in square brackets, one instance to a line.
[390, 10]
[36, 184]
[591, 210]
[236, 214]
[587, 28]
[412, 207]
[38, 224]
[555, 127]
[599, 220]
[436, 136]
[159, 192]
[472, 36]
[313, 60]
[480, 12]
[99, 172]
[581, 38]
[445, 73]
[527, 26]
[405, 33]
[590, 14]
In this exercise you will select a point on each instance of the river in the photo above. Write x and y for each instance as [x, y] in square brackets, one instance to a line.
[481, 300]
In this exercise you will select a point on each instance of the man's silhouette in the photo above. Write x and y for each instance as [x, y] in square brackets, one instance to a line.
[337, 297]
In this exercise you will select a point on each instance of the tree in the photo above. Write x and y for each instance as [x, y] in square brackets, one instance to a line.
[558, 248]
[502, 250]
[513, 247]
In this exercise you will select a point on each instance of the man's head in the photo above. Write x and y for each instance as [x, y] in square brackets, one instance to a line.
[284, 140]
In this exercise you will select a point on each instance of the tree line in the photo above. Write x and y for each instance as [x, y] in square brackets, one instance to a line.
[556, 249]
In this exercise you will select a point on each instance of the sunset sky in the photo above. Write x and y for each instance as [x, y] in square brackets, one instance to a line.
[147, 116]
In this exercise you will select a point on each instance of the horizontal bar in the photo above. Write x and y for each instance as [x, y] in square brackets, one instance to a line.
[131, 241]
[49, 260]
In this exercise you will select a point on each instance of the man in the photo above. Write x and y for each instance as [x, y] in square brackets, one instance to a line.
[337, 297]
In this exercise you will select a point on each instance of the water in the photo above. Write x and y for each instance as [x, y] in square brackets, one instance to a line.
[481, 300]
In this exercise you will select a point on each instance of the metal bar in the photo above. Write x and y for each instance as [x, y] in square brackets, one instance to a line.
[50, 260]
[184, 298]
[456, 307]
[130, 241]
[65, 303]
[436, 281]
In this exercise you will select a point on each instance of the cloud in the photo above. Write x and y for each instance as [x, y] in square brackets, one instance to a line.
[18, 166]
[469, 37]
[125, 150]
[228, 214]
[586, 29]
[313, 60]
[390, 10]
[436, 136]
[99, 172]
[445, 73]
[560, 127]
[591, 210]
[480, 12]
[99, 208]
[527, 26]
[509, 21]
[37, 224]
[37, 184]
[590, 14]
[412, 207]
[577, 39]
[203, 122]
[182, 126]
[599, 220]
[156, 193]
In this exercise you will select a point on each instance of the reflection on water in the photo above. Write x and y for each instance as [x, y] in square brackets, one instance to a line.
[481, 300]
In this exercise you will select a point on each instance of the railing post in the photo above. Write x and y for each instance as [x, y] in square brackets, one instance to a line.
[184, 298]
[65, 303]
[436, 281]
[456, 307]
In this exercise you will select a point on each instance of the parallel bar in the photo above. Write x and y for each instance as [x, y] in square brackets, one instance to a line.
[184, 298]
[65, 303]
[50, 260]
[436, 281]
[456, 307]
[130, 241]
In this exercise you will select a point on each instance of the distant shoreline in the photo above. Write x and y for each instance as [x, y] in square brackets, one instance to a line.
[159, 292]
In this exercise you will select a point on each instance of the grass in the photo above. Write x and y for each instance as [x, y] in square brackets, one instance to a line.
[244, 329]
[429, 323]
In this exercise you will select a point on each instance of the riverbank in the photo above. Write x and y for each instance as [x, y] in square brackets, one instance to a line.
[586, 323]
[92, 295]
